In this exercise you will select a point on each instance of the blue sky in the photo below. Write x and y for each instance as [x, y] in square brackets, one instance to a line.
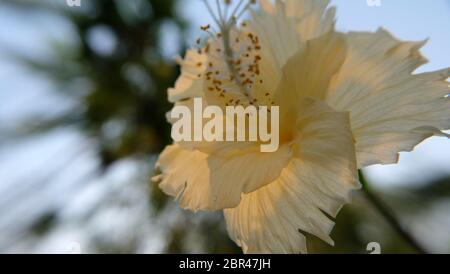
[406, 19]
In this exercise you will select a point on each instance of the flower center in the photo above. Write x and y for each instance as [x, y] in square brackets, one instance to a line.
[234, 55]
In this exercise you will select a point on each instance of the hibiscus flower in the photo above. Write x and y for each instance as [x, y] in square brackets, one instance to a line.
[347, 101]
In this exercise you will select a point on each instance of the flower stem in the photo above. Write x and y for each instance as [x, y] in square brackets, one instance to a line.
[390, 217]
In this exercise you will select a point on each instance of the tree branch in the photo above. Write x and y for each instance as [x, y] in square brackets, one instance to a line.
[389, 216]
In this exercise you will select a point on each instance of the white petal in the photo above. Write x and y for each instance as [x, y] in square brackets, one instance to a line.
[277, 31]
[279, 42]
[312, 17]
[189, 84]
[200, 181]
[386, 101]
[308, 74]
[318, 180]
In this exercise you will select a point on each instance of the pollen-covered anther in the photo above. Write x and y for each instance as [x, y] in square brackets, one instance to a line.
[235, 48]
[206, 27]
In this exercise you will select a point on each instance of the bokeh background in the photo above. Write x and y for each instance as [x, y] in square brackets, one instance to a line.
[82, 104]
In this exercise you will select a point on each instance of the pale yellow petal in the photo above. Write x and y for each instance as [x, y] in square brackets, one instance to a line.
[189, 84]
[279, 42]
[308, 74]
[319, 179]
[312, 18]
[386, 100]
[200, 181]
[277, 33]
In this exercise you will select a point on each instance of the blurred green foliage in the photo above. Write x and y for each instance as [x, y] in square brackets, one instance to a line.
[122, 100]
[128, 84]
